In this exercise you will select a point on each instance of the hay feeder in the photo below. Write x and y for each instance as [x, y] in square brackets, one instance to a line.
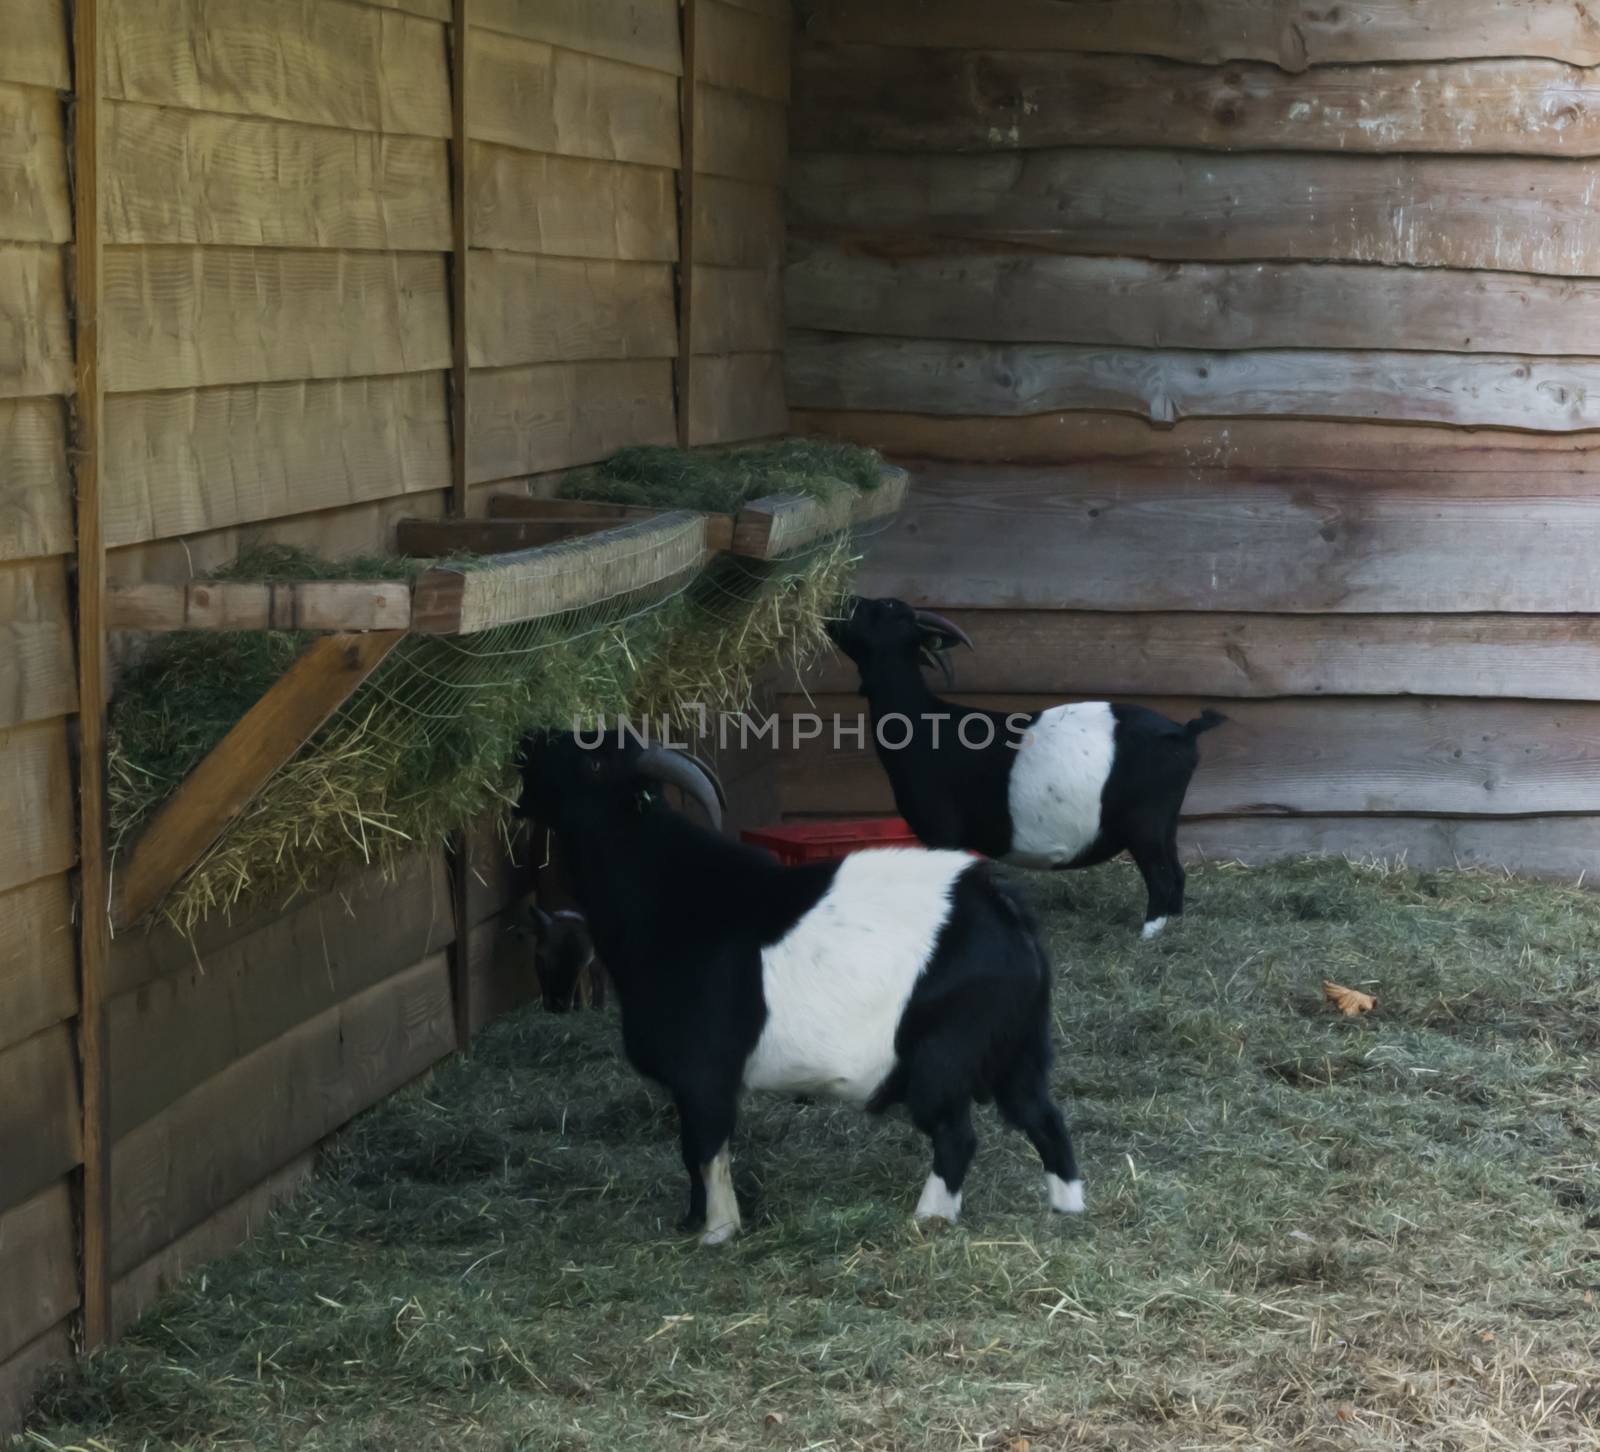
[530, 561]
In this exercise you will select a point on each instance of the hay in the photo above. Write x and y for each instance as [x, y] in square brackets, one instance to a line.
[719, 481]
[1304, 1231]
[427, 744]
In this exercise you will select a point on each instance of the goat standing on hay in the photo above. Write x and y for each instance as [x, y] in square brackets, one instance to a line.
[890, 976]
[1072, 786]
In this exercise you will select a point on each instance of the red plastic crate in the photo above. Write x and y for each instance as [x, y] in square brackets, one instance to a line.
[798, 842]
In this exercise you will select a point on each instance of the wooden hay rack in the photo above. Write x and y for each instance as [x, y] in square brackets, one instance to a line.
[535, 559]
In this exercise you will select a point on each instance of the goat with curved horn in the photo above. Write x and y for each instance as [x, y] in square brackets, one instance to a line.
[690, 775]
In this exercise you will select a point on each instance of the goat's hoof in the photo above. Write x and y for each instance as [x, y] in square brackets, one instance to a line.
[1152, 929]
[691, 1223]
[720, 1234]
[1066, 1196]
[937, 1203]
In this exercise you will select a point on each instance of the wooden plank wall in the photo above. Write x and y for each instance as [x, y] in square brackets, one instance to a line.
[40, 1130]
[277, 337]
[276, 219]
[1244, 356]
[574, 198]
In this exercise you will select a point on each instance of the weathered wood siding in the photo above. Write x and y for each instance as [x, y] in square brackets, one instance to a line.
[277, 339]
[40, 1132]
[577, 210]
[1244, 355]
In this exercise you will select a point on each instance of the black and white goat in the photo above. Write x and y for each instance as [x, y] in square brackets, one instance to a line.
[891, 976]
[1071, 786]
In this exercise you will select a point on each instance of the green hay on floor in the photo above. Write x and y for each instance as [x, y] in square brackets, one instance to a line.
[719, 481]
[1304, 1231]
[428, 743]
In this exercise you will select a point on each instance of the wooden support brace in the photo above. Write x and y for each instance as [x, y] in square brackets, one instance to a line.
[220, 788]
[94, 918]
[333, 605]
[461, 418]
[687, 245]
[460, 365]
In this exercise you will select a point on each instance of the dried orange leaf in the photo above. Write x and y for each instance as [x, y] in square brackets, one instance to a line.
[1351, 1002]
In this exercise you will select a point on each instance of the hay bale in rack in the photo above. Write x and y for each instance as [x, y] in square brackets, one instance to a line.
[650, 616]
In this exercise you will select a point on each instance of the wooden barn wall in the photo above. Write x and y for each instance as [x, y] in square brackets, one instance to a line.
[40, 1130]
[1244, 355]
[625, 216]
[277, 334]
[578, 211]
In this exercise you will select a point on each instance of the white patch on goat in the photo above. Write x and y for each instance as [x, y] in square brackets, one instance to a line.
[1062, 764]
[1153, 928]
[1066, 1196]
[937, 1203]
[722, 1208]
[839, 980]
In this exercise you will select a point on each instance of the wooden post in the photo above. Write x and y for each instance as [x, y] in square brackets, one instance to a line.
[94, 906]
[688, 106]
[458, 270]
[460, 366]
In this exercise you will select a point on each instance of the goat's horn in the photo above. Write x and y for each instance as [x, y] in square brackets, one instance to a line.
[675, 768]
[948, 629]
[711, 776]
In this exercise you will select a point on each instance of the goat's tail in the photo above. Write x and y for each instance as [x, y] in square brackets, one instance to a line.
[1207, 720]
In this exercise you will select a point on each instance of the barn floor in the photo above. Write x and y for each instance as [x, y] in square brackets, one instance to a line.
[1305, 1230]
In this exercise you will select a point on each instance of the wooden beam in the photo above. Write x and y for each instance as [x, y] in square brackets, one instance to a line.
[1293, 34]
[607, 568]
[461, 151]
[1502, 213]
[332, 605]
[1201, 447]
[220, 788]
[260, 1113]
[197, 1006]
[94, 907]
[1226, 654]
[719, 527]
[39, 1266]
[1565, 848]
[688, 111]
[910, 100]
[433, 539]
[460, 367]
[136, 1290]
[1466, 390]
[1290, 757]
[41, 1115]
[1006, 297]
[1283, 541]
